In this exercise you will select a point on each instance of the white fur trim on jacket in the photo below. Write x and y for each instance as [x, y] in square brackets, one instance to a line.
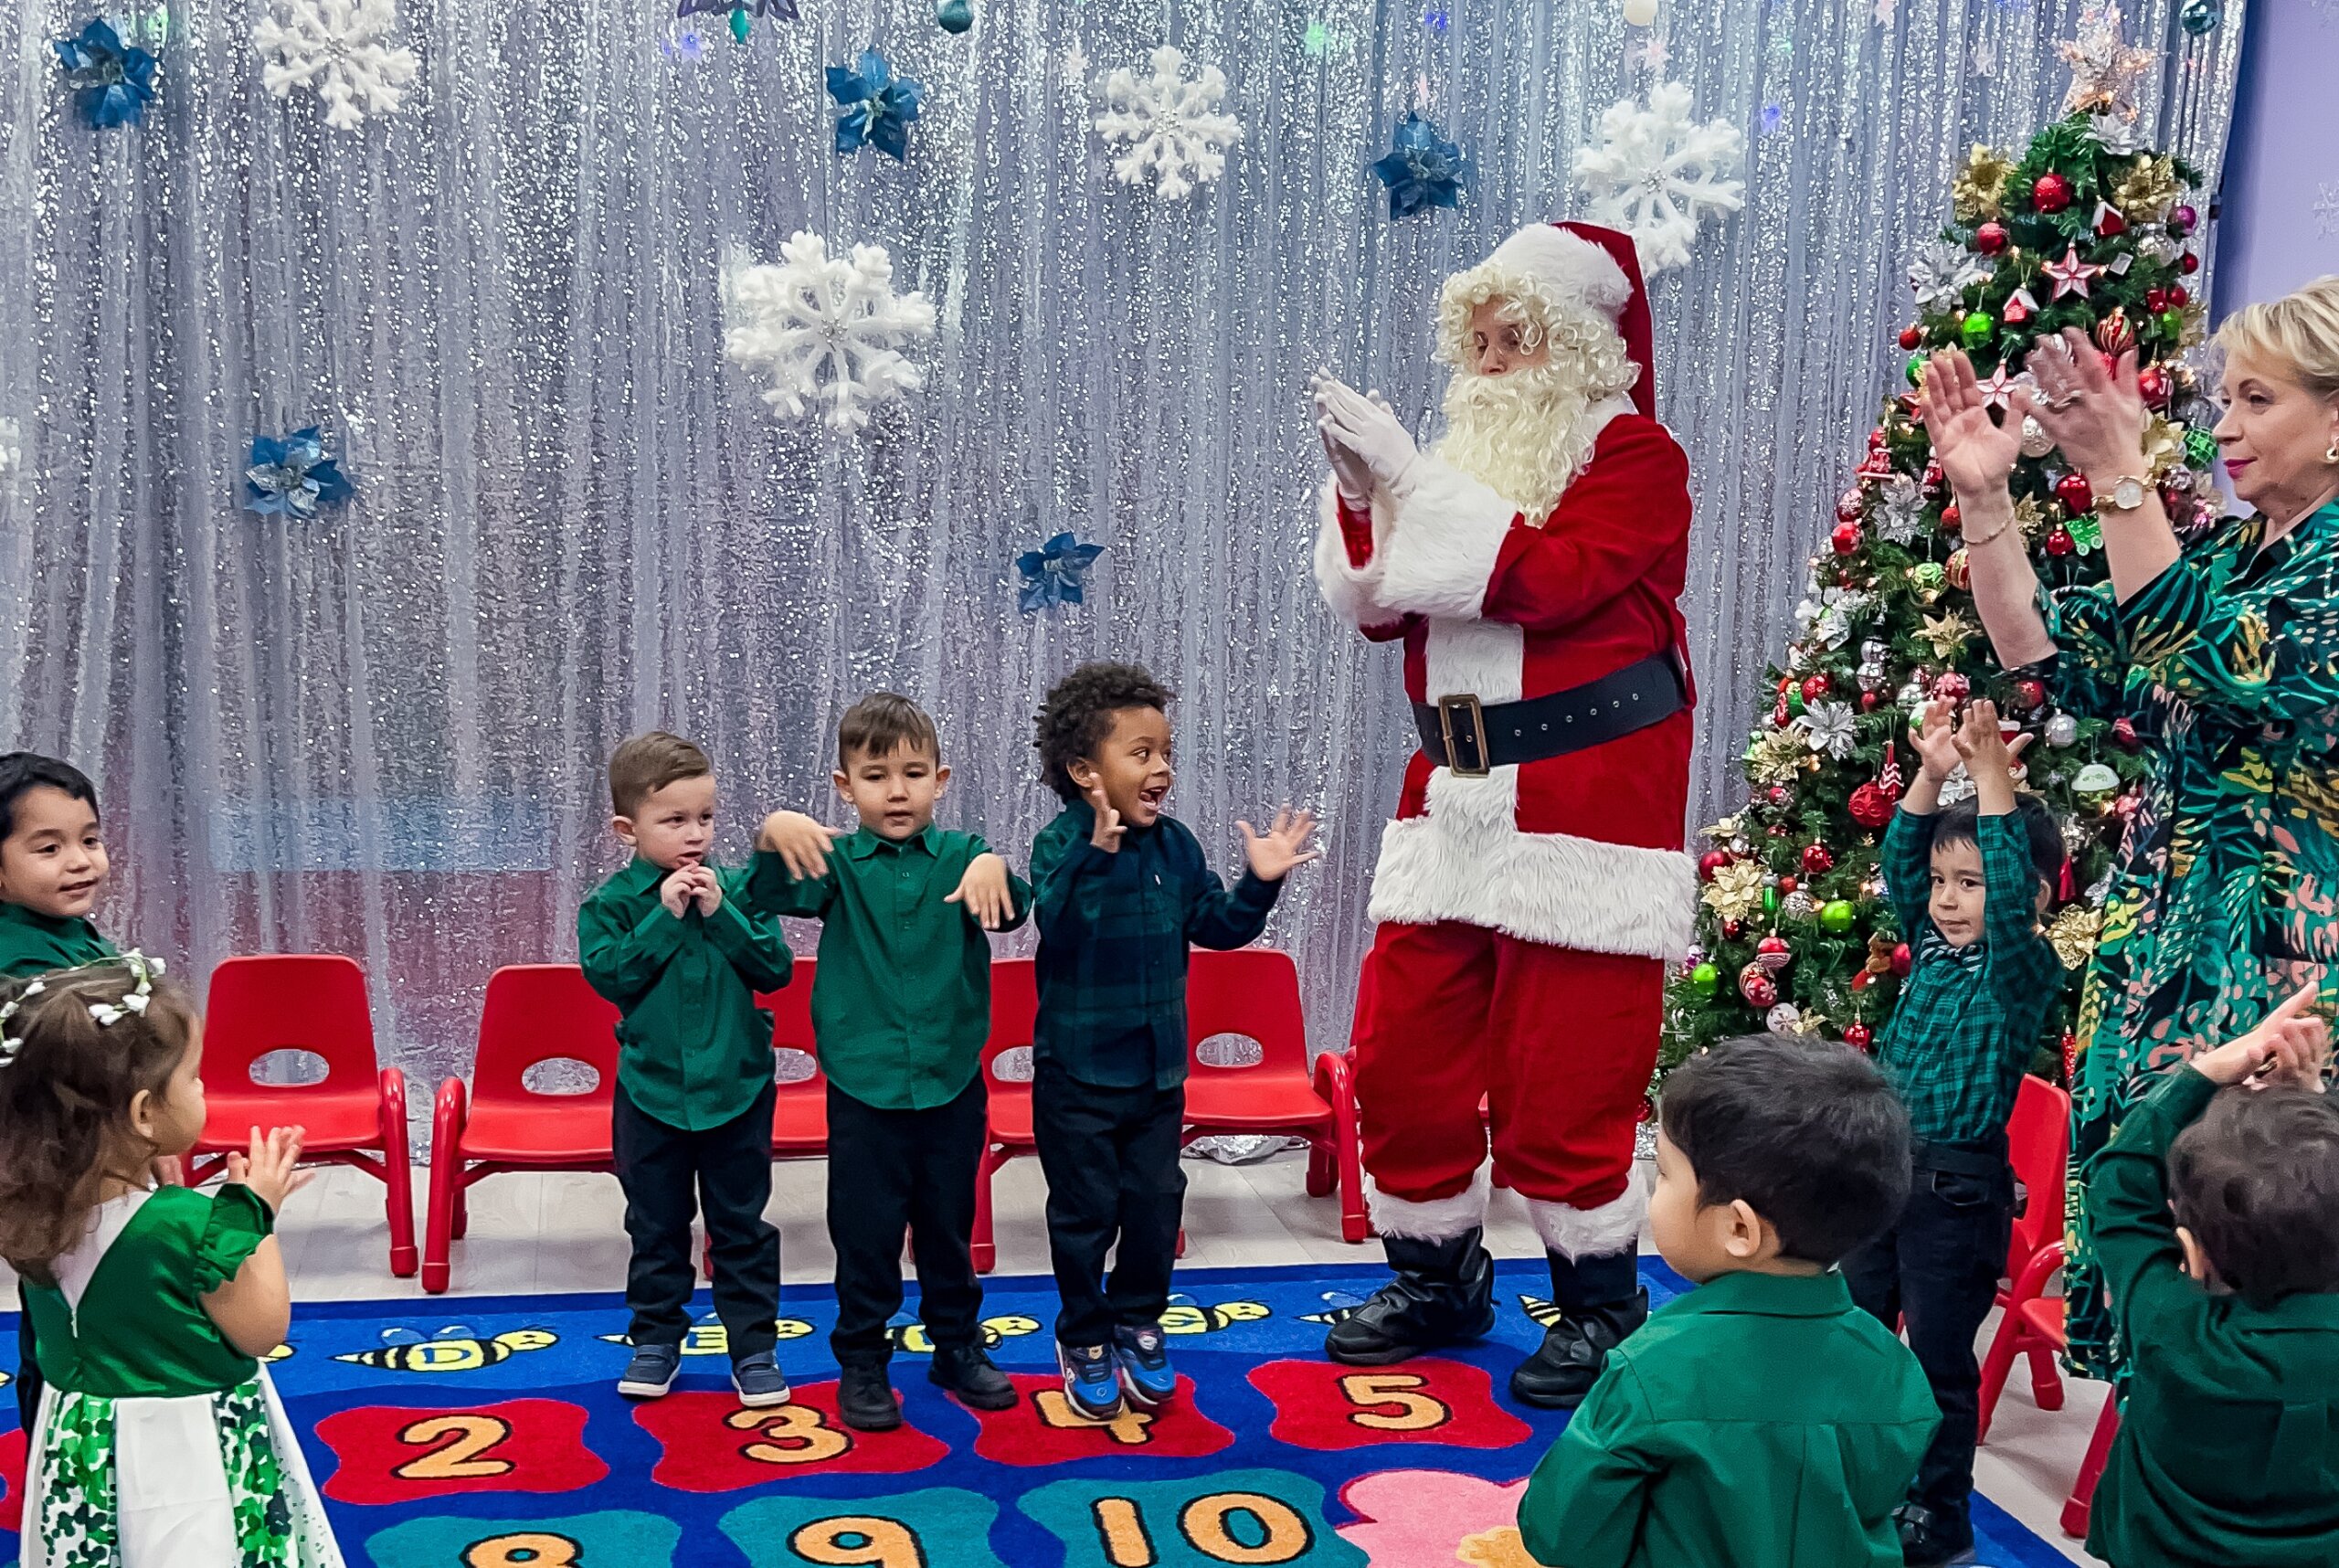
[1569, 267]
[1443, 543]
[1348, 591]
[1467, 860]
[1439, 1219]
[1611, 1228]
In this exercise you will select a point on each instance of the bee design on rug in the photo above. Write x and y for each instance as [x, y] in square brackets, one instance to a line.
[715, 1339]
[1183, 1319]
[453, 1355]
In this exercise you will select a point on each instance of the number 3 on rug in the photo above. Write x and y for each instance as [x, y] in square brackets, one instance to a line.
[800, 1436]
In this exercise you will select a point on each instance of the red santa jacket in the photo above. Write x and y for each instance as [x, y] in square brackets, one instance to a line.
[1582, 851]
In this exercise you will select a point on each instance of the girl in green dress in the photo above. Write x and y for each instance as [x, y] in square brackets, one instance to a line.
[2223, 654]
[160, 1442]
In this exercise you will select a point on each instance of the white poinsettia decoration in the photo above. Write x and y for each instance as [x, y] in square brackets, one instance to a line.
[339, 50]
[1658, 173]
[825, 330]
[1899, 510]
[1828, 728]
[1169, 124]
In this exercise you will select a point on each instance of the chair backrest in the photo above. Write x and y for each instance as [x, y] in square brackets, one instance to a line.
[1014, 1011]
[543, 1012]
[288, 1002]
[2038, 1143]
[1251, 991]
[791, 1025]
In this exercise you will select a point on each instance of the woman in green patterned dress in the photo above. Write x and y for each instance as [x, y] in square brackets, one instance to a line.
[159, 1441]
[2223, 655]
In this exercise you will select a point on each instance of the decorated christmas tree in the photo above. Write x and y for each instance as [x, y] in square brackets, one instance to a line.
[2084, 229]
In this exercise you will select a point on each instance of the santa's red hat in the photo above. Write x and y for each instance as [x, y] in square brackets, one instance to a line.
[1585, 267]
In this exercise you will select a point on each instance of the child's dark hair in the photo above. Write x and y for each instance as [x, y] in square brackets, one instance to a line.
[1078, 715]
[645, 764]
[2256, 1180]
[65, 1095]
[882, 721]
[21, 771]
[1808, 1133]
[1961, 825]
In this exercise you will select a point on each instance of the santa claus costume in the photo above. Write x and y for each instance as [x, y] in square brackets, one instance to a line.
[1533, 884]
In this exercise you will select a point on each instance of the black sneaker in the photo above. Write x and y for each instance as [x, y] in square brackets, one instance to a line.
[865, 1399]
[1931, 1539]
[966, 1372]
[650, 1373]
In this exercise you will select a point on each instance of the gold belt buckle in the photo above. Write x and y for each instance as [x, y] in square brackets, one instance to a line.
[1467, 705]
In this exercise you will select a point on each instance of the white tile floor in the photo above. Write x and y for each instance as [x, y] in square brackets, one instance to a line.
[560, 1233]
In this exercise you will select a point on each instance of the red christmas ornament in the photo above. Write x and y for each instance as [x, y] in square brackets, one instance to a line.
[1731, 929]
[1912, 335]
[1951, 686]
[1869, 806]
[2151, 384]
[1816, 861]
[2123, 735]
[1900, 959]
[1712, 862]
[2070, 1054]
[2031, 694]
[2179, 296]
[1876, 438]
[1990, 238]
[2188, 263]
[1786, 884]
[2060, 543]
[2076, 494]
[1859, 1036]
[1814, 687]
[1778, 830]
[1848, 506]
[1755, 983]
[2108, 221]
[1958, 570]
[1952, 520]
[1779, 713]
[2051, 192]
[2155, 300]
[1868, 701]
[1780, 795]
[1933, 474]
[1773, 953]
[1846, 538]
[2113, 334]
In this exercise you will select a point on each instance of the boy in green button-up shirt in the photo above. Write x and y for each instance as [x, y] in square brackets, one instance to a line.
[52, 867]
[1761, 1420]
[2216, 1212]
[671, 941]
[901, 1007]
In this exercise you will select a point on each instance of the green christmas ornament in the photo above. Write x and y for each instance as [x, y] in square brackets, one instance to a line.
[954, 16]
[1836, 915]
[1916, 370]
[2171, 323]
[1928, 576]
[1770, 901]
[2200, 448]
[1704, 978]
[2085, 531]
[1976, 329]
[1795, 700]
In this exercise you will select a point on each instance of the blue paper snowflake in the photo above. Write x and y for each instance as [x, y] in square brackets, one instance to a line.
[1053, 573]
[743, 12]
[116, 80]
[877, 107]
[293, 477]
[1422, 170]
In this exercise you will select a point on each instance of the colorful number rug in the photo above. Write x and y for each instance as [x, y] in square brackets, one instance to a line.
[485, 1433]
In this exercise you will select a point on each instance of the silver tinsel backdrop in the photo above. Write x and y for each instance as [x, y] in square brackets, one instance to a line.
[382, 731]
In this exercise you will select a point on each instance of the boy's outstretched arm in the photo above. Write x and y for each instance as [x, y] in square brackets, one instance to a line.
[993, 897]
[1222, 919]
[1583, 1505]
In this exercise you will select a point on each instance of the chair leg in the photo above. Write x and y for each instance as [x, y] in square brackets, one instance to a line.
[2077, 1507]
[462, 1212]
[1336, 1082]
[446, 1176]
[1320, 1166]
[986, 1253]
[2046, 1378]
[2004, 1346]
[397, 1174]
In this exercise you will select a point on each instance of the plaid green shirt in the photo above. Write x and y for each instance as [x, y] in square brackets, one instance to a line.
[1968, 1019]
[1114, 930]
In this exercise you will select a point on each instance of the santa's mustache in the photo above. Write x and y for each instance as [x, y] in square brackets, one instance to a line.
[1520, 432]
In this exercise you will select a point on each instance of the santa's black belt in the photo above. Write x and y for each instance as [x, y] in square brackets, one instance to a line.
[1472, 738]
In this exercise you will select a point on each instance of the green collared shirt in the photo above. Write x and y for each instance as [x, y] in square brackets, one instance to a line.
[2228, 1445]
[1757, 1421]
[901, 1003]
[33, 944]
[694, 1049]
[1969, 1019]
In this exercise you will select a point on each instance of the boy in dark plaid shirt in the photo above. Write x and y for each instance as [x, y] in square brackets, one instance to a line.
[1969, 884]
[1119, 890]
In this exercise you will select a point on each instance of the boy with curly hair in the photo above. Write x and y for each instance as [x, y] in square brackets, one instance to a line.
[1120, 889]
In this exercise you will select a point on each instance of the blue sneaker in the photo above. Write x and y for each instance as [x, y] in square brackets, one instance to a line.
[650, 1371]
[758, 1380]
[1143, 1355]
[1091, 1385]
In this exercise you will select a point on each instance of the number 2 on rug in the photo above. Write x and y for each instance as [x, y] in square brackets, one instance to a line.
[459, 1460]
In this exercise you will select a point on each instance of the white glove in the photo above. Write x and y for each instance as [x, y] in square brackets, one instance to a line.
[1367, 427]
[1349, 470]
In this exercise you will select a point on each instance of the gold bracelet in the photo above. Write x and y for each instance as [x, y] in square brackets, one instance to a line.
[1973, 544]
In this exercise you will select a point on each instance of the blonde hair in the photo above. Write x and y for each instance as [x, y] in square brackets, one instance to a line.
[2300, 330]
[1598, 348]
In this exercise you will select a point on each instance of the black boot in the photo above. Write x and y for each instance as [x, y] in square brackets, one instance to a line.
[1600, 1302]
[865, 1398]
[966, 1372]
[1442, 1295]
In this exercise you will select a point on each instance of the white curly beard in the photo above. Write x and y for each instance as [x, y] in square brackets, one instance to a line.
[1524, 433]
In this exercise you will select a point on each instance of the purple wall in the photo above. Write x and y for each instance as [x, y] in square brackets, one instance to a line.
[2278, 210]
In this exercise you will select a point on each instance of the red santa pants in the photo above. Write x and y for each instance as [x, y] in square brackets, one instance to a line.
[1559, 1042]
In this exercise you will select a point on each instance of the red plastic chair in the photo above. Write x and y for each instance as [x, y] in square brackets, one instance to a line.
[799, 1114]
[1255, 992]
[2038, 1143]
[316, 1003]
[1014, 1008]
[534, 1012]
[2036, 1324]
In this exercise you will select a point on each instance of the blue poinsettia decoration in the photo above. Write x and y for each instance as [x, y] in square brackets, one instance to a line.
[1422, 170]
[743, 12]
[878, 109]
[1053, 573]
[116, 80]
[293, 477]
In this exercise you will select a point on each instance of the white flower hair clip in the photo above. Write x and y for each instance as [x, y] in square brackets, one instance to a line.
[143, 969]
[10, 1045]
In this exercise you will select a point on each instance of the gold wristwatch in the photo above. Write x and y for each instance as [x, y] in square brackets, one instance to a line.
[2127, 492]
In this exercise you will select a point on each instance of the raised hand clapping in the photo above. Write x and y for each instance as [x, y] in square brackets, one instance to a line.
[1274, 853]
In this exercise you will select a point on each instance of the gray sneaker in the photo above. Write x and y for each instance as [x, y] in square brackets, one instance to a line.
[650, 1373]
[760, 1381]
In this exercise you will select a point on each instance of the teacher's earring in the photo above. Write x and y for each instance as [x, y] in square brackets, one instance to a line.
[2331, 453]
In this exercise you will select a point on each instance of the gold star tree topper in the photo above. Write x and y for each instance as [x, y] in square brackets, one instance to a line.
[2105, 68]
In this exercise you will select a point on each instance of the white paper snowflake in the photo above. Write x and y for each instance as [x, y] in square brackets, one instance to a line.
[1174, 134]
[340, 49]
[825, 330]
[1657, 174]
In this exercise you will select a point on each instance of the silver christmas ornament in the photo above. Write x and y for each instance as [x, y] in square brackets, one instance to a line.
[2062, 730]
